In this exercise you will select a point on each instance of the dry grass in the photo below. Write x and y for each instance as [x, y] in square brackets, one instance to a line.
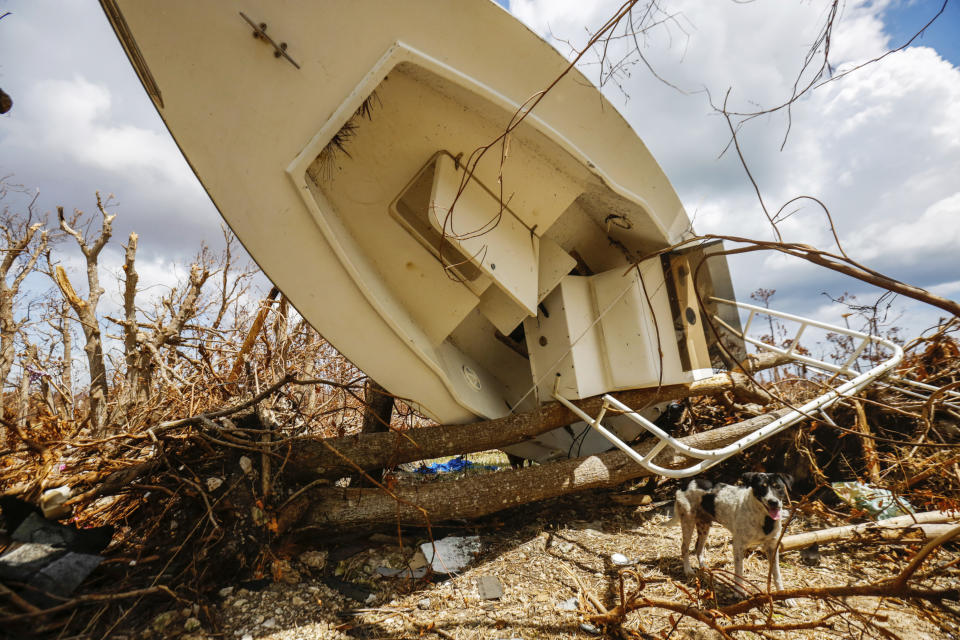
[560, 552]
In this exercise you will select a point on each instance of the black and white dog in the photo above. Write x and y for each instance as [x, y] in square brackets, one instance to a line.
[752, 513]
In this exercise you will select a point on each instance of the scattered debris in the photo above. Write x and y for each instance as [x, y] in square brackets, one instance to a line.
[49, 558]
[415, 568]
[880, 503]
[453, 465]
[408, 572]
[811, 555]
[314, 559]
[451, 554]
[52, 503]
[283, 571]
[489, 587]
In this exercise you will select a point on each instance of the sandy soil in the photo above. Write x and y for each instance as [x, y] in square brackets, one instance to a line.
[553, 563]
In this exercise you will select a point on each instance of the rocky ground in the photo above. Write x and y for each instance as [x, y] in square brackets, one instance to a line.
[540, 573]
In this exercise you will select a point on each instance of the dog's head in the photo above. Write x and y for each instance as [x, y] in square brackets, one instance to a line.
[770, 489]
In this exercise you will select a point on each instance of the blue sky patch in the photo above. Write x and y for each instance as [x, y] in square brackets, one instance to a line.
[905, 18]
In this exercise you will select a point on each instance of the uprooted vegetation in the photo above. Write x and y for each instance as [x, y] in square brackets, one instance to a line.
[220, 439]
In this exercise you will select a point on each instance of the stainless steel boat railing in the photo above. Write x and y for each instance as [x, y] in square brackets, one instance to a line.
[852, 382]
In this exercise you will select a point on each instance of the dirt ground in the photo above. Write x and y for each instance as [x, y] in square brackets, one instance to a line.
[554, 563]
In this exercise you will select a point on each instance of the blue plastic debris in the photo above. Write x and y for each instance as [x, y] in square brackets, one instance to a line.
[452, 465]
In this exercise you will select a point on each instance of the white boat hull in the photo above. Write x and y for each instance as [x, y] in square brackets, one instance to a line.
[337, 163]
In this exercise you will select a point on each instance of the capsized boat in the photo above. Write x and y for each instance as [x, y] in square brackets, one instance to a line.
[336, 139]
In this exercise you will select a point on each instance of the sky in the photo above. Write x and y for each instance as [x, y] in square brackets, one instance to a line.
[881, 147]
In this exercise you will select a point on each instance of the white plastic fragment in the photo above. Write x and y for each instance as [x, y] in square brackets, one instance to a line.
[51, 502]
[451, 554]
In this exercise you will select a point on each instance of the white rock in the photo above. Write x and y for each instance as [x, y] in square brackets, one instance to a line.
[214, 483]
[270, 623]
[246, 465]
[620, 560]
[226, 591]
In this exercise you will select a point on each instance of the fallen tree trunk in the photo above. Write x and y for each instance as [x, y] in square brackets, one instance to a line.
[328, 458]
[834, 534]
[479, 495]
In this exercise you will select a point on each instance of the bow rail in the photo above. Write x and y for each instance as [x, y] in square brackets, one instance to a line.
[853, 381]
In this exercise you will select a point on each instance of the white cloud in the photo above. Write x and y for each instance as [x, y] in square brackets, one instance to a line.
[947, 288]
[75, 118]
[880, 147]
[915, 238]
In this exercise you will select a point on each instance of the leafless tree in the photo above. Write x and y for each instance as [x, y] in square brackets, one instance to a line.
[58, 322]
[144, 343]
[86, 310]
[25, 240]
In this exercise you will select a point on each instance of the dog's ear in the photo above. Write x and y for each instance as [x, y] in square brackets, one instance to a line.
[748, 477]
[786, 479]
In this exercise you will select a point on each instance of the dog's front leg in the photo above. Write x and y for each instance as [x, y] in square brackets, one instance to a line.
[739, 551]
[773, 557]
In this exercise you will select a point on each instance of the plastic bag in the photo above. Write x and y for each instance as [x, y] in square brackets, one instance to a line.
[880, 503]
